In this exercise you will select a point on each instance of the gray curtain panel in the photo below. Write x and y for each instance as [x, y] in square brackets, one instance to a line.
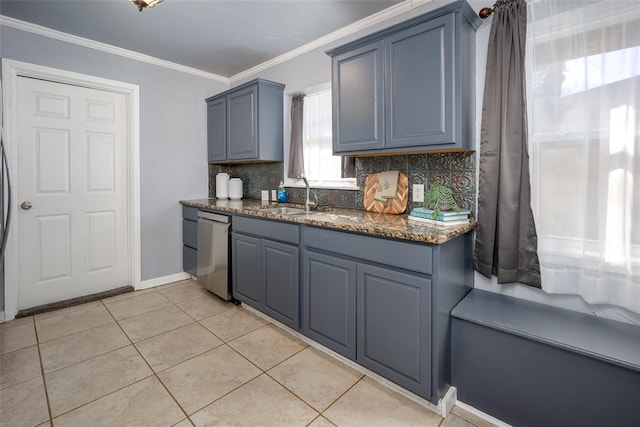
[348, 167]
[296, 157]
[506, 242]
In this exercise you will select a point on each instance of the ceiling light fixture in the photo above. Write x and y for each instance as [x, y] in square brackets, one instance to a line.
[145, 3]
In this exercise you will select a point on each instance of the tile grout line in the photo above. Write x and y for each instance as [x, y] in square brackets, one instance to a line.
[266, 372]
[84, 360]
[65, 310]
[283, 360]
[293, 393]
[154, 373]
[188, 417]
[72, 333]
[111, 392]
[244, 357]
[225, 395]
[144, 312]
[239, 336]
[157, 335]
[44, 380]
[318, 417]
[185, 360]
[340, 397]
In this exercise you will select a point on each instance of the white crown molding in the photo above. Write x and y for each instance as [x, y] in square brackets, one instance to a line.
[103, 47]
[362, 24]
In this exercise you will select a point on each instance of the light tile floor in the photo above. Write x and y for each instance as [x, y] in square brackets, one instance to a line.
[176, 355]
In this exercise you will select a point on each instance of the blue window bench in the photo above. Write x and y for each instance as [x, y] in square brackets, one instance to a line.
[531, 364]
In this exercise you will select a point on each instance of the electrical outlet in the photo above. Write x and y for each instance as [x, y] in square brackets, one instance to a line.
[418, 192]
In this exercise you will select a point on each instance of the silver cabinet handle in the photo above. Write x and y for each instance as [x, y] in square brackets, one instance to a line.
[26, 205]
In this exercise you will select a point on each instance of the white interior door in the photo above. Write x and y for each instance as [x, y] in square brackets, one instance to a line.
[72, 191]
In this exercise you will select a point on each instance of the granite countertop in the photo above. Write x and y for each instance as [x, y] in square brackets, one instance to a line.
[358, 221]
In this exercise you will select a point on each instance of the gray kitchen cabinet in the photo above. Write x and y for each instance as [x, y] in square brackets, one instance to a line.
[329, 301]
[394, 326]
[420, 96]
[357, 94]
[246, 269]
[189, 239]
[242, 123]
[419, 85]
[265, 270]
[281, 282]
[217, 129]
[246, 123]
[386, 303]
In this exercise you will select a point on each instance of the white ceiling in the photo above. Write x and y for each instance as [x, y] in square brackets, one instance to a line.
[216, 36]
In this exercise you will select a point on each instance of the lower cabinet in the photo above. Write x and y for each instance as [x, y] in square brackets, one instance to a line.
[376, 316]
[329, 301]
[190, 240]
[385, 303]
[265, 272]
[247, 269]
[394, 326]
[281, 282]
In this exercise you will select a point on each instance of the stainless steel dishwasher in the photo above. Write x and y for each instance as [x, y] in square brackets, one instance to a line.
[213, 253]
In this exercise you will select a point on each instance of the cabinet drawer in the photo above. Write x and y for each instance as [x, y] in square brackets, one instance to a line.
[190, 260]
[190, 213]
[190, 233]
[404, 255]
[274, 230]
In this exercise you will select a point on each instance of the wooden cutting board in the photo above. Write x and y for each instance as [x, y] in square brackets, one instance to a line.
[391, 206]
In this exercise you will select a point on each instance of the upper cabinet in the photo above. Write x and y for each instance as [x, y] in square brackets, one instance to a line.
[245, 124]
[409, 87]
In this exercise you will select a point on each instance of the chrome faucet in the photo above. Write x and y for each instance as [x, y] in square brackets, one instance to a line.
[308, 204]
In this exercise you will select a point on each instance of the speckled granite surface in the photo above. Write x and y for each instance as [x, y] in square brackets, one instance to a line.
[358, 221]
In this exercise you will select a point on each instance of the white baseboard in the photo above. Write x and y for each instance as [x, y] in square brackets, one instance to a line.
[1, 316]
[481, 414]
[448, 401]
[152, 283]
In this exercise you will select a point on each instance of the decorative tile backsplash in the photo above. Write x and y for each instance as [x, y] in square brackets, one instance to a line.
[455, 170]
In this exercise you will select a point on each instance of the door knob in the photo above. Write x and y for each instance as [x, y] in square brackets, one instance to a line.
[26, 205]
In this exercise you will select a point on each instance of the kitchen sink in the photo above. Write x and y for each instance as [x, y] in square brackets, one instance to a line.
[287, 211]
[284, 210]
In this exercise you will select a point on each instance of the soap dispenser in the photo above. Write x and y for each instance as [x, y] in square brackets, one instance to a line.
[282, 193]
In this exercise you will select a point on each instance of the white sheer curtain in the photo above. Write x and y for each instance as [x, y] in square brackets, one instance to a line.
[583, 75]
[320, 165]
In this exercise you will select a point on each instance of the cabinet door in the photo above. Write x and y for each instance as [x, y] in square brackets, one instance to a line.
[242, 124]
[247, 269]
[190, 260]
[329, 301]
[394, 326]
[281, 282]
[419, 87]
[217, 129]
[358, 105]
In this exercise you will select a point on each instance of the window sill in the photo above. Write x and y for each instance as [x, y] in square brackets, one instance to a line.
[324, 187]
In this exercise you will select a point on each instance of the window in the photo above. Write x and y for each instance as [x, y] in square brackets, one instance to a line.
[584, 139]
[321, 167]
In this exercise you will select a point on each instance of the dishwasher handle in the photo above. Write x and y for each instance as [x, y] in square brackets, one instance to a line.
[213, 217]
